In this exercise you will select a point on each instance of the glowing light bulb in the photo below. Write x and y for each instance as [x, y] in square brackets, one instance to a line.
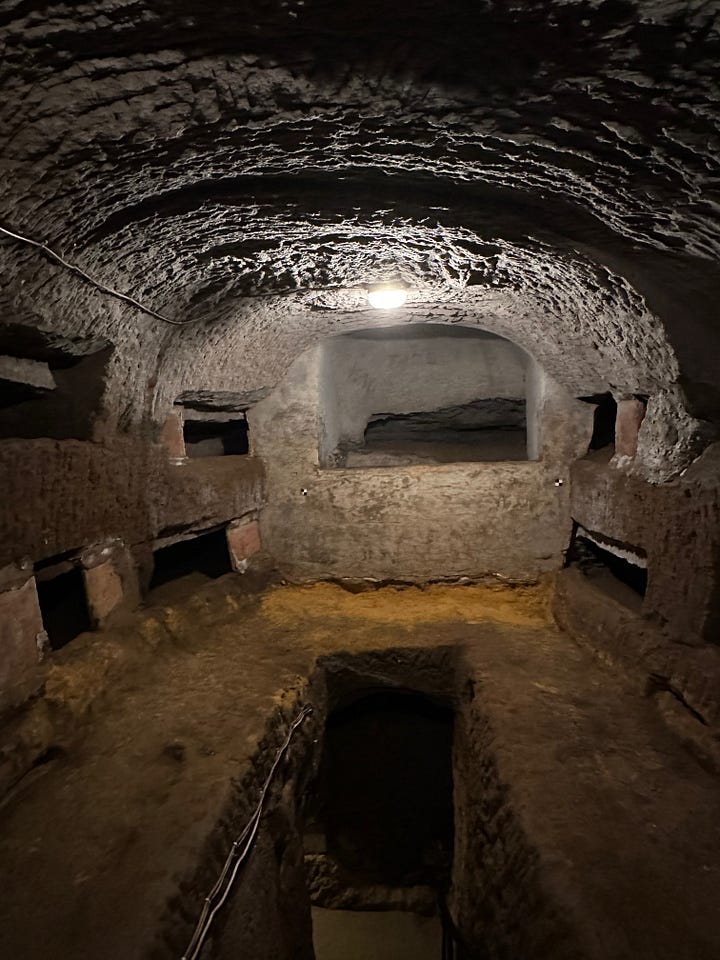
[387, 298]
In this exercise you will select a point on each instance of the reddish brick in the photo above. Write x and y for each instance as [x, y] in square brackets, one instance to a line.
[172, 436]
[630, 414]
[243, 539]
[21, 635]
[104, 589]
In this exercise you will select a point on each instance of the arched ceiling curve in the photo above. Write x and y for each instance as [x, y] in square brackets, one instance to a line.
[545, 169]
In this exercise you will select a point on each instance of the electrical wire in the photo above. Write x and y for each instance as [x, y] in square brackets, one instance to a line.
[235, 859]
[103, 287]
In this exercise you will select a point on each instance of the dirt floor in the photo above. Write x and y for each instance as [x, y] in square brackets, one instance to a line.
[391, 935]
[156, 721]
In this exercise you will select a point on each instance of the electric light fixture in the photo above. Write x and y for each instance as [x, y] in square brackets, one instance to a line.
[387, 298]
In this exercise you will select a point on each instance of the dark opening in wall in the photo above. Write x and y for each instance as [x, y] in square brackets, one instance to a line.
[484, 430]
[50, 386]
[387, 796]
[63, 602]
[594, 560]
[425, 394]
[216, 438]
[206, 554]
[603, 434]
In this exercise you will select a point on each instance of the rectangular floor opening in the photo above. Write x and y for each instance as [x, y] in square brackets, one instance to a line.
[379, 821]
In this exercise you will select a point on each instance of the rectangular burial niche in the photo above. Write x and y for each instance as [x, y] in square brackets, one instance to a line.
[216, 438]
[50, 386]
[379, 817]
[422, 394]
[62, 598]
[205, 555]
[619, 569]
[484, 430]
[215, 422]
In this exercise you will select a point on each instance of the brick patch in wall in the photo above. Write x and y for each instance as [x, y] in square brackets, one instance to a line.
[22, 640]
[110, 580]
[172, 436]
[243, 538]
[104, 590]
[630, 414]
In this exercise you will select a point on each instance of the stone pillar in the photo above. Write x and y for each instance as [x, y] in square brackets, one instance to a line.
[172, 436]
[243, 540]
[111, 583]
[630, 414]
[22, 635]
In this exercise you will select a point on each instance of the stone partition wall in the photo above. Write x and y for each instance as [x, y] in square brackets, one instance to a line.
[267, 916]
[502, 899]
[65, 495]
[104, 505]
[21, 636]
[510, 520]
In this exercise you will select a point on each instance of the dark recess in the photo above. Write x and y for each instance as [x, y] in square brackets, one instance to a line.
[589, 556]
[63, 605]
[206, 554]
[387, 789]
[486, 430]
[216, 438]
[68, 411]
[603, 434]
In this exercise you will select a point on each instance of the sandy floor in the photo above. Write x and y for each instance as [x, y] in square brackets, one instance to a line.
[95, 844]
[358, 935]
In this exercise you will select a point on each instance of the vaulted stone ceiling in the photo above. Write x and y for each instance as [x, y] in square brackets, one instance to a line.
[547, 170]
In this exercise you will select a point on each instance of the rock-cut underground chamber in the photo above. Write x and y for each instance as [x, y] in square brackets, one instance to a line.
[391, 835]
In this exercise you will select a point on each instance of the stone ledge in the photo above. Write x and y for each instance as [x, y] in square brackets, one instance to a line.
[639, 645]
[139, 493]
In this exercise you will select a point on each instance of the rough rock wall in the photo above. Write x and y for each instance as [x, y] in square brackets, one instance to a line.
[500, 898]
[549, 164]
[419, 522]
[65, 495]
[544, 170]
[660, 663]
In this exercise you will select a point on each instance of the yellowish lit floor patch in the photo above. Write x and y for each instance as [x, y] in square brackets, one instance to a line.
[521, 606]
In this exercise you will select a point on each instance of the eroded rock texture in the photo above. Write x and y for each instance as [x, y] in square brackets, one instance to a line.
[546, 170]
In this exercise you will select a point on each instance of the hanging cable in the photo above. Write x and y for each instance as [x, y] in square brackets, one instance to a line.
[239, 851]
[103, 287]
